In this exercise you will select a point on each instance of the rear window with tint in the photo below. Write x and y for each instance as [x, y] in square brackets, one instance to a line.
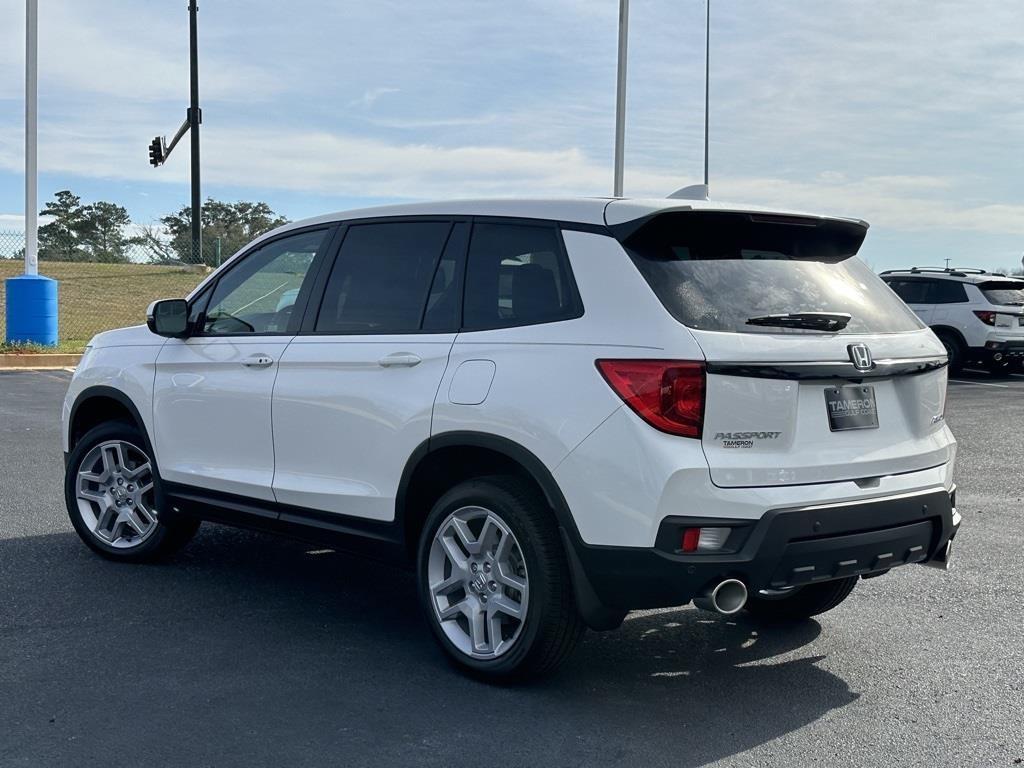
[714, 271]
[1006, 292]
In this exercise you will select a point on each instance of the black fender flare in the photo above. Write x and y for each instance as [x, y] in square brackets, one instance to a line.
[594, 613]
[98, 391]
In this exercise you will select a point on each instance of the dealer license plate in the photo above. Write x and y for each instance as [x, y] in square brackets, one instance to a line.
[851, 406]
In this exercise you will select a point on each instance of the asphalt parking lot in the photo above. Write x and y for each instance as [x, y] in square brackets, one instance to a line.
[249, 650]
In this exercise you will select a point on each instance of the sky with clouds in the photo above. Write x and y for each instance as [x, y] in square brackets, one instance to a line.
[909, 115]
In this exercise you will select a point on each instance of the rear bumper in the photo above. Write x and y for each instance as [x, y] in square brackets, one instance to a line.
[1005, 348]
[786, 547]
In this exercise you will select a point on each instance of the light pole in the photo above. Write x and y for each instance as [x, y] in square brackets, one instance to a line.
[31, 306]
[31, 136]
[707, 89]
[620, 99]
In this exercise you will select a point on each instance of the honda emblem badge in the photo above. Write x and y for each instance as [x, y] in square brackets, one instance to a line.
[860, 356]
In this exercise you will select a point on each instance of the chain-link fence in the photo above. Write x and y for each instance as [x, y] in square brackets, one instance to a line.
[96, 296]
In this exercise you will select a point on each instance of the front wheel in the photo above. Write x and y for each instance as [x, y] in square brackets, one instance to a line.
[112, 492]
[494, 581]
[799, 603]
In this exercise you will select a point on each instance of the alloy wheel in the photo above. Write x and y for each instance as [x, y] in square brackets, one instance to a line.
[115, 494]
[478, 582]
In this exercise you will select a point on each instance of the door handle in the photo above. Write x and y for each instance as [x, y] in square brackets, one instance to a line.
[258, 361]
[400, 360]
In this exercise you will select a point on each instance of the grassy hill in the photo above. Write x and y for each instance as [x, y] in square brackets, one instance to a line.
[98, 297]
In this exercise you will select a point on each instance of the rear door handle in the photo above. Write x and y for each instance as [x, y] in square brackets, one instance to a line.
[258, 361]
[400, 360]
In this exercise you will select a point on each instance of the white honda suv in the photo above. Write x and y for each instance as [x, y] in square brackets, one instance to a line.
[977, 315]
[555, 411]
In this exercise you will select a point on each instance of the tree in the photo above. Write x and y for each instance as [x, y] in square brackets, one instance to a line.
[59, 240]
[235, 224]
[103, 232]
[94, 232]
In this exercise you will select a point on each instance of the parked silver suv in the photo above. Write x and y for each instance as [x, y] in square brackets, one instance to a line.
[977, 315]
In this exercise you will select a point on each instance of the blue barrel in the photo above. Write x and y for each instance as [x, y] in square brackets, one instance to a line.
[31, 310]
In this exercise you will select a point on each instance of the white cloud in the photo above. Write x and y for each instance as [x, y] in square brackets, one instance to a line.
[899, 113]
[370, 97]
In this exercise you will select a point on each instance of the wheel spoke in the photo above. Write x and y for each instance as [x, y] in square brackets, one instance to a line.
[488, 534]
[132, 474]
[147, 517]
[448, 585]
[105, 521]
[466, 538]
[508, 579]
[478, 631]
[461, 608]
[504, 548]
[456, 555]
[99, 497]
[113, 458]
[506, 605]
[135, 521]
[494, 626]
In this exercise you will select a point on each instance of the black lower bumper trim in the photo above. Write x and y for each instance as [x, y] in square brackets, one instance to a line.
[786, 547]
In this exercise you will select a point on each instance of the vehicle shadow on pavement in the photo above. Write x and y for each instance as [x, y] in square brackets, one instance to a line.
[251, 650]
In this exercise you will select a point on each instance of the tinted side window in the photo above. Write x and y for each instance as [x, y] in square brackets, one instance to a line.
[382, 277]
[911, 291]
[947, 292]
[517, 275]
[257, 295]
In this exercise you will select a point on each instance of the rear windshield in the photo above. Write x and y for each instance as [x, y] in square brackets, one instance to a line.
[714, 271]
[1006, 292]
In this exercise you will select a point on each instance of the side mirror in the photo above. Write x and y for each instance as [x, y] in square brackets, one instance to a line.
[168, 317]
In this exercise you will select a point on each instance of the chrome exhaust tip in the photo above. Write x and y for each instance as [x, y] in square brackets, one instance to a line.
[727, 597]
[943, 558]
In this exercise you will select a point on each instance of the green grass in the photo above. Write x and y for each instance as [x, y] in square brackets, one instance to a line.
[98, 297]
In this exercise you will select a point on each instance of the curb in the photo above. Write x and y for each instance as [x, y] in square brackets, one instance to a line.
[37, 361]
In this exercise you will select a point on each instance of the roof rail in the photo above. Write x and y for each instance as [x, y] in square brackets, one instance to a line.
[936, 270]
[971, 270]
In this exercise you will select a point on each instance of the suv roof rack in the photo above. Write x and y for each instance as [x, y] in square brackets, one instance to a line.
[952, 271]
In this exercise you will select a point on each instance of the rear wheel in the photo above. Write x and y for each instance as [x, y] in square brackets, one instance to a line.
[954, 351]
[1001, 367]
[800, 603]
[494, 581]
[112, 492]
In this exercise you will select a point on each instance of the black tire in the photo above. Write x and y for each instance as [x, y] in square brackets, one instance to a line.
[170, 533]
[804, 602]
[552, 626]
[999, 368]
[954, 351]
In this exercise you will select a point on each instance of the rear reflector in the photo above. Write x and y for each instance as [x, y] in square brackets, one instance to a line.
[704, 539]
[667, 394]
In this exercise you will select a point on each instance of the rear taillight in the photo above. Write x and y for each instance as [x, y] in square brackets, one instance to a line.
[667, 394]
[988, 318]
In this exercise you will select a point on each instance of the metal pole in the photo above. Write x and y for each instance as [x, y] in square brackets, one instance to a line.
[707, 87]
[31, 123]
[620, 99]
[194, 119]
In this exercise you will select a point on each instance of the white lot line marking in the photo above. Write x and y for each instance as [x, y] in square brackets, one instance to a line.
[980, 384]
